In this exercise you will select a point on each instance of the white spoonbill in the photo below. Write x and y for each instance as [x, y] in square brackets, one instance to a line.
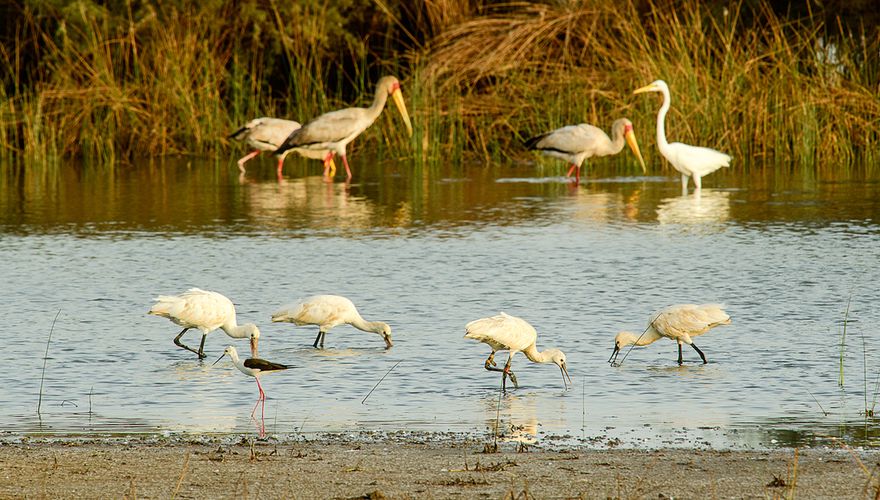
[205, 311]
[691, 161]
[576, 143]
[509, 333]
[334, 130]
[253, 367]
[328, 311]
[679, 323]
[266, 134]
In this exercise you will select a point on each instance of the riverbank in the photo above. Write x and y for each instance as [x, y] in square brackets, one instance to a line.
[454, 468]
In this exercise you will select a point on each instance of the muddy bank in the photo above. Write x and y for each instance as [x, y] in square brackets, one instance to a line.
[339, 468]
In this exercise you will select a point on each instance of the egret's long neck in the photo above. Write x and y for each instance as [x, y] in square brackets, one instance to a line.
[662, 144]
[535, 356]
[368, 326]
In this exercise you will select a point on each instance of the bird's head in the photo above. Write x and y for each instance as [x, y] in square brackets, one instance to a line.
[253, 334]
[392, 85]
[229, 351]
[624, 127]
[655, 86]
[622, 340]
[385, 332]
[557, 357]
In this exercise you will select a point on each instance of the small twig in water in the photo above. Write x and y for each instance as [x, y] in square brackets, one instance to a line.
[45, 358]
[498, 416]
[817, 402]
[91, 389]
[380, 381]
[843, 343]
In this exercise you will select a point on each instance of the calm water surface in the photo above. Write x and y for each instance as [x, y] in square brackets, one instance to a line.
[427, 252]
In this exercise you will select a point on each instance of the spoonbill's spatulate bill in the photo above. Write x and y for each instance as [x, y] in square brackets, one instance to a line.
[328, 311]
[334, 130]
[254, 367]
[680, 323]
[509, 333]
[267, 134]
[205, 311]
[576, 143]
[691, 161]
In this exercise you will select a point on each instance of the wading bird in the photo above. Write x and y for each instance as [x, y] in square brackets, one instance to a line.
[205, 311]
[334, 130]
[576, 143]
[328, 311]
[509, 333]
[267, 134]
[678, 323]
[253, 367]
[691, 161]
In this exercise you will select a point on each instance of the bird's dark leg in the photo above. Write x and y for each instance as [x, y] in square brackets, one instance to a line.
[703, 356]
[315, 345]
[490, 365]
[509, 373]
[178, 343]
[323, 334]
[201, 352]
[679, 354]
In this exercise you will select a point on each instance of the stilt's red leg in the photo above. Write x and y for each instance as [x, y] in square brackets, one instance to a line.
[573, 166]
[280, 165]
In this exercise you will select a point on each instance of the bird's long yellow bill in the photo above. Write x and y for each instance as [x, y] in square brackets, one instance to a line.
[647, 88]
[630, 137]
[397, 96]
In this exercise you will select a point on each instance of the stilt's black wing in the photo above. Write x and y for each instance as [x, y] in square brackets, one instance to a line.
[263, 365]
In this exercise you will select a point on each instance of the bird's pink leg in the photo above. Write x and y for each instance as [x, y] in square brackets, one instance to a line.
[573, 166]
[280, 166]
[347, 170]
[262, 396]
[245, 159]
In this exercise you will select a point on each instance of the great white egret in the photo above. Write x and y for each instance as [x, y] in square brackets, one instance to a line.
[334, 130]
[205, 311]
[329, 311]
[504, 332]
[576, 143]
[679, 323]
[267, 134]
[691, 161]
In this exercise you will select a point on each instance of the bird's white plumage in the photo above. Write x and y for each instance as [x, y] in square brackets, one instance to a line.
[681, 323]
[505, 332]
[690, 161]
[329, 311]
[502, 332]
[205, 311]
[685, 321]
[196, 308]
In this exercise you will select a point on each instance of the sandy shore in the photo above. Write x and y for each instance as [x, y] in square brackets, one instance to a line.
[340, 468]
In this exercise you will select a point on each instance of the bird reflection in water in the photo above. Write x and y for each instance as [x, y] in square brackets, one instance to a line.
[701, 207]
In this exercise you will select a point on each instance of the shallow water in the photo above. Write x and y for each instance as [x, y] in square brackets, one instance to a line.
[427, 252]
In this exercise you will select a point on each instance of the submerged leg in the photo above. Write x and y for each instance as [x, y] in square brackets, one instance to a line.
[315, 345]
[178, 343]
[684, 184]
[245, 159]
[698, 184]
[703, 356]
[347, 170]
[679, 354]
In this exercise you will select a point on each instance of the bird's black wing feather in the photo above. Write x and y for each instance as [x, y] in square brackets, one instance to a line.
[263, 365]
